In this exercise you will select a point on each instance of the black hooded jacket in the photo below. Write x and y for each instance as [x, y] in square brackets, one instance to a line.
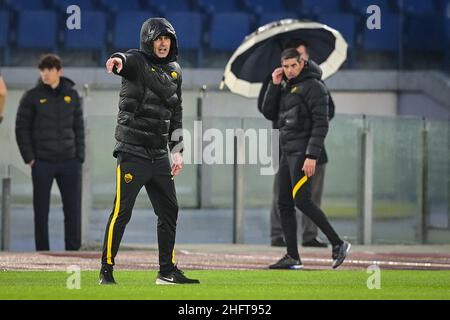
[323, 158]
[49, 123]
[150, 96]
[300, 107]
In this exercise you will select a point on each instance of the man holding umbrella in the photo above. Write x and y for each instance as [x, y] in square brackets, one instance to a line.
[299, 101]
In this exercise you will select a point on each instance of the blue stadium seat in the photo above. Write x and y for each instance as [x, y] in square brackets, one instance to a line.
[323, 6]
[387, 39]
[189, 29]
[188, 26]
[168, 6]
[37, 29]
[275, 16]
[92, 34]
[426, 33]
[4, 28]
[83, 4]
[345, 23]
[360, 6]
[228, 30]
[25, 5]
[127, 29]
[216, 6]
[121, 5]
[419, 6]
[261, 6]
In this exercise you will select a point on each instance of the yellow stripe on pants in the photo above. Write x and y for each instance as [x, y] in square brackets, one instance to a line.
[114, 218]
[299, 184]
[173, 256]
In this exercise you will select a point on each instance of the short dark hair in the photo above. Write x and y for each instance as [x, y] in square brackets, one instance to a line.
[290, 54]
[50, 61]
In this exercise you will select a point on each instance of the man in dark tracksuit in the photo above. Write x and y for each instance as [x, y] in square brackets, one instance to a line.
[309, 235]
[150, 118]
[300, 103]
[50, 136]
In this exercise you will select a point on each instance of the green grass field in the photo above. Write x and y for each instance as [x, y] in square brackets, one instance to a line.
[235, 285]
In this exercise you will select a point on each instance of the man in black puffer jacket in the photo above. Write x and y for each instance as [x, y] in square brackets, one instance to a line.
[50, 136]
[299, 101]
[149, 120]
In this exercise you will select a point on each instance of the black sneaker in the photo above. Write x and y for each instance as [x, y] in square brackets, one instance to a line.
[315, 243]
[106, 275]
[340, 253]
[287, 263]
[175, 277]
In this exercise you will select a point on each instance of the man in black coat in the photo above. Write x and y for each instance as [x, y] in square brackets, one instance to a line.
[298, 99]
[149, 120]
[309, 229]
[50, 136]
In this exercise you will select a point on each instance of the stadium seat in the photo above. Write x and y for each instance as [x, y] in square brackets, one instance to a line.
[315, 7]
[25, 5]
[345, 23]
[37, 29]
[91, 36]
[360, 6]
[419, 7]
[189, 29]
[127, 29]
[168, 6]
[121, 5]
[216, 6]
[426, 33]
[387, 39]
[83, 4]
[260, 6]
[4, 28]
[266, 18]
[188, 26]
[228, 30]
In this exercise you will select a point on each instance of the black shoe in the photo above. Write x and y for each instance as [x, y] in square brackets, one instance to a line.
[316, 243]
[287, 263]
[278, 242]
[340, 253]
[175, 277]
[106, 275]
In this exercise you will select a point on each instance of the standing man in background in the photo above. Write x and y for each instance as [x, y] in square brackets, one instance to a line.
[50, 136]
[3, 92]
[309, 229]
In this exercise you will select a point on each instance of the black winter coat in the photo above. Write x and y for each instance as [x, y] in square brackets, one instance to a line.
[300, 107]
[331, 107]
[150, 97]
[49, 123]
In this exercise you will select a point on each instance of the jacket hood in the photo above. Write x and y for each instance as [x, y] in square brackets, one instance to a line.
[311, 70]
[63, 83]
[152, 29]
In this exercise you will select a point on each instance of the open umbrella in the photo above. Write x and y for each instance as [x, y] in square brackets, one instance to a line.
[259, 53]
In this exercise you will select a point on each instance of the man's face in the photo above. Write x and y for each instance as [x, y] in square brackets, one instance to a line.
[303, 52]
[161, 46]
[292, 67]
[50, 76]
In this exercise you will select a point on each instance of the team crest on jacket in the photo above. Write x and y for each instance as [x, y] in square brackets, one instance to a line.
[128, 177]
[67, 99]
[174, 75]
